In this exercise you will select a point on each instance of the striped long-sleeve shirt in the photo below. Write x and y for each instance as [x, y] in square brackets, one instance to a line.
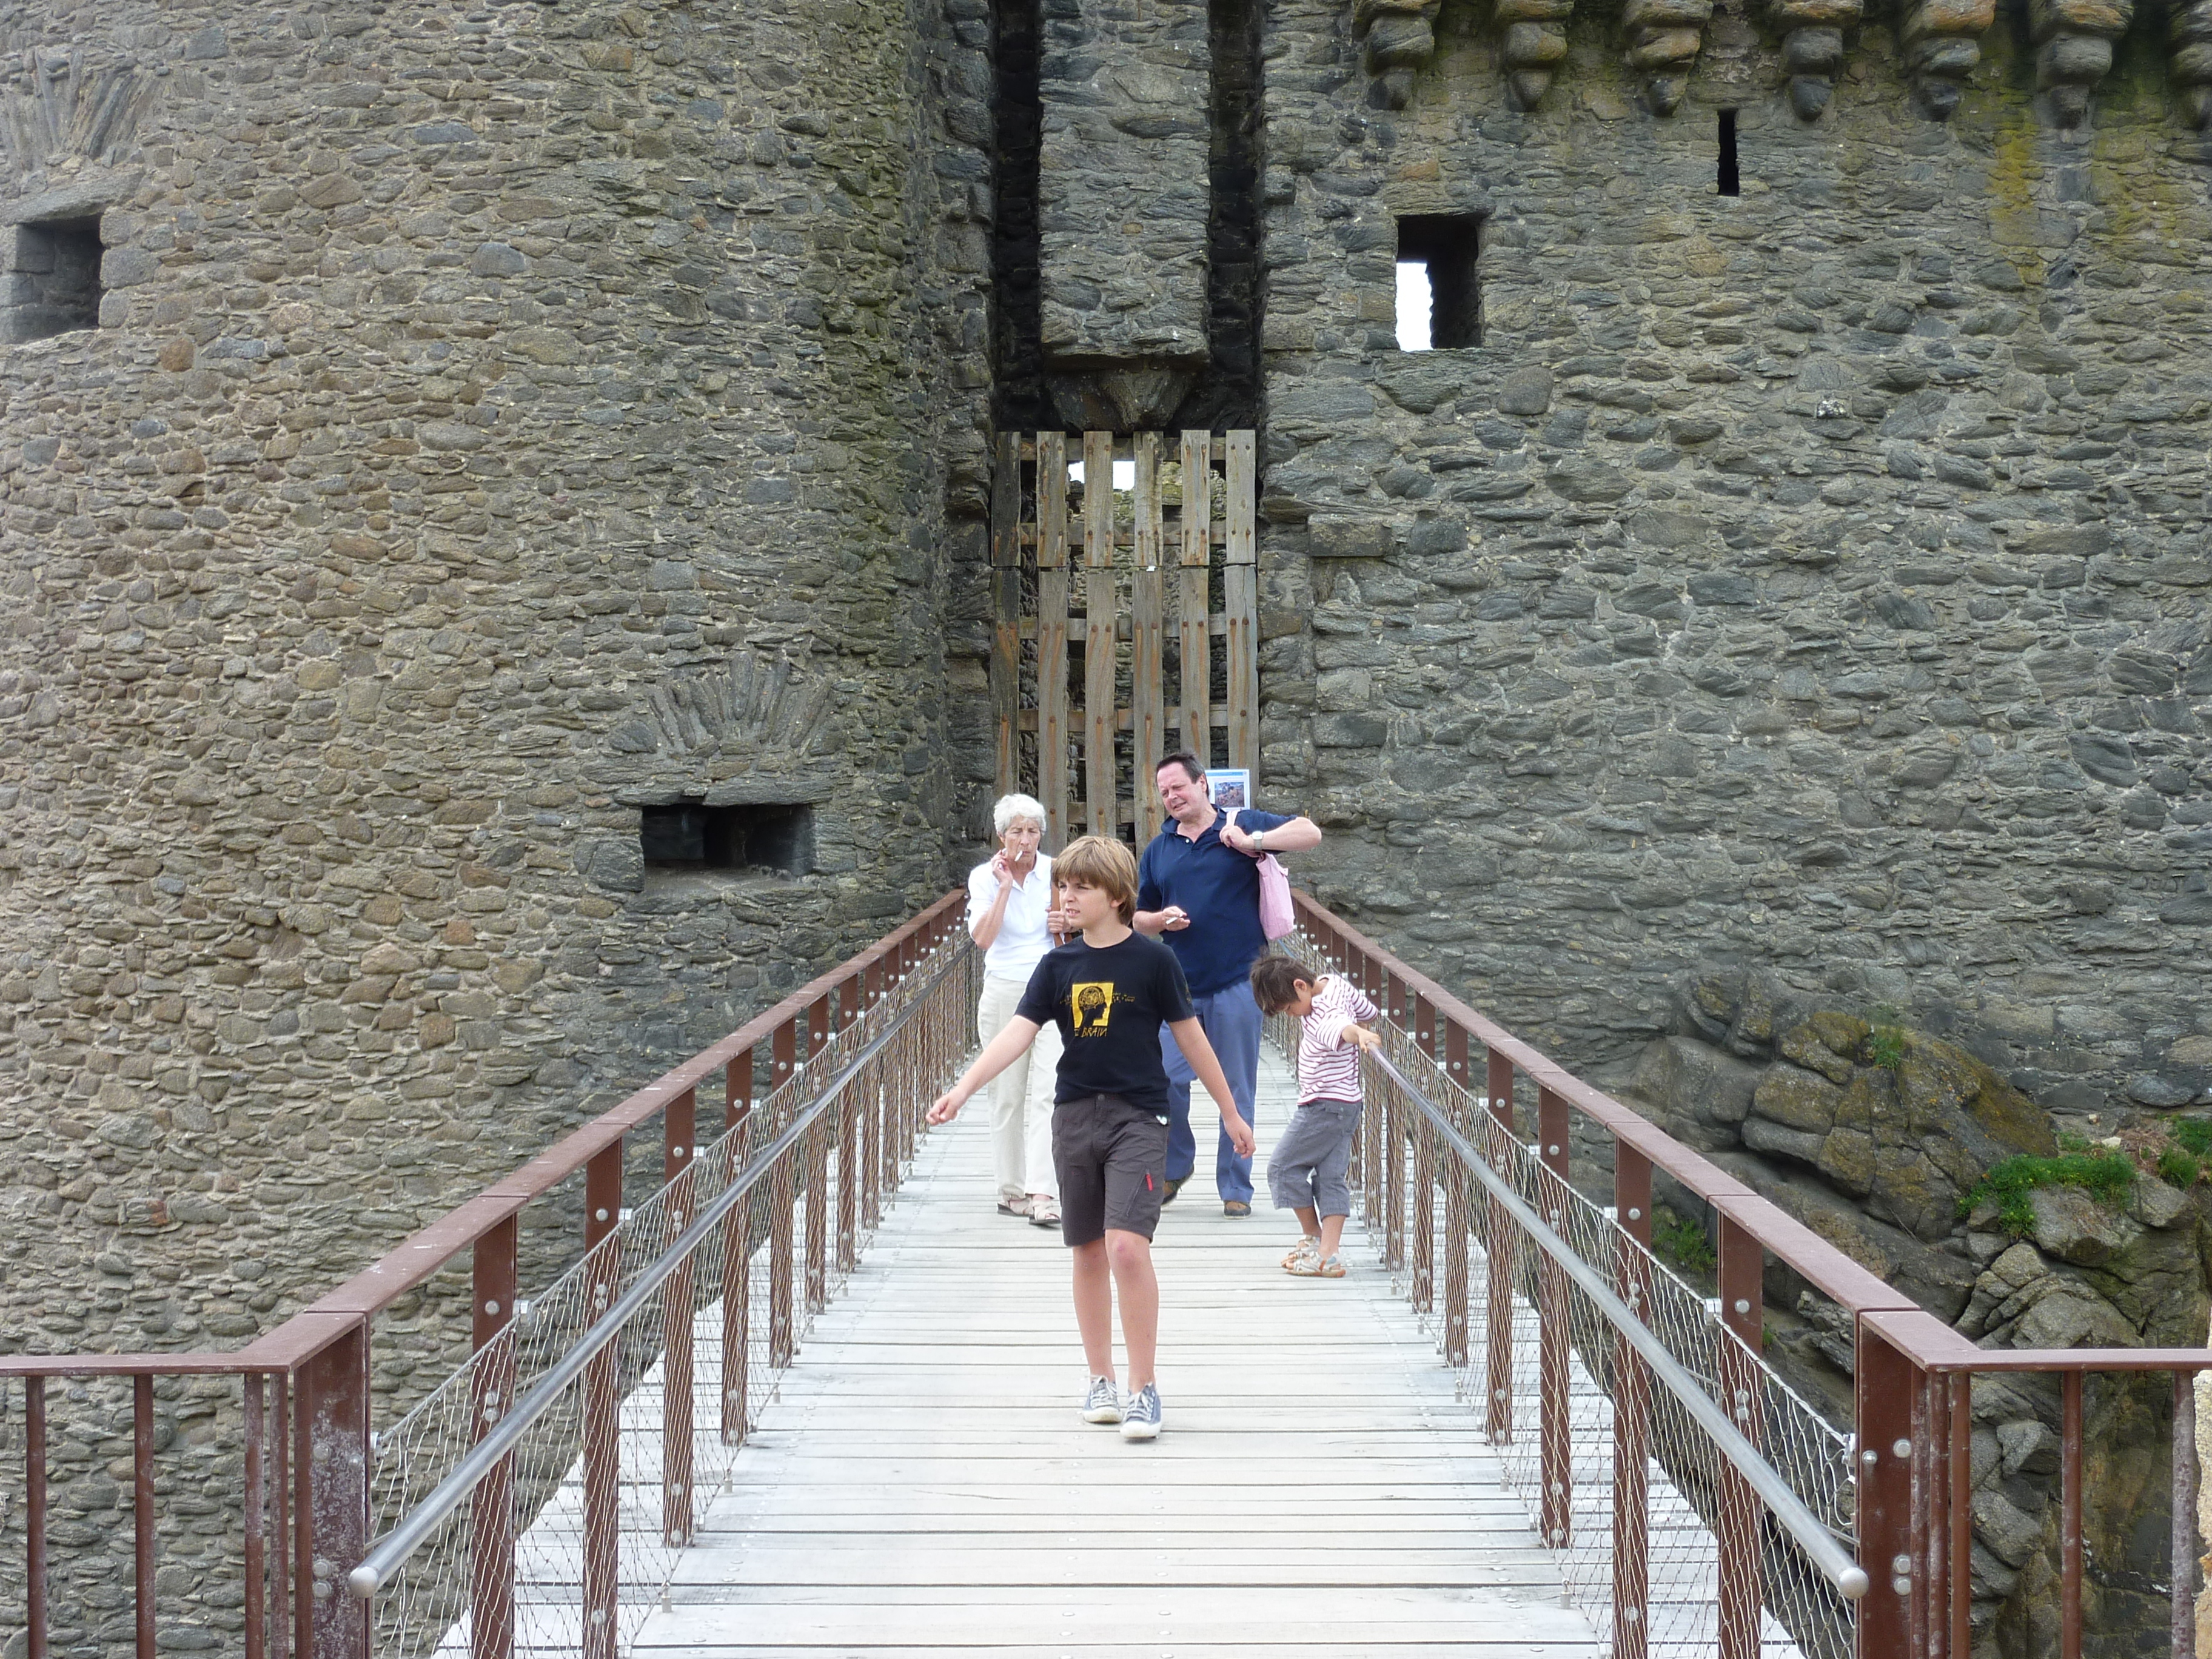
[1328, 1067]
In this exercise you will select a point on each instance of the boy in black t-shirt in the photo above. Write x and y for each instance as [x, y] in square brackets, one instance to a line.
[1109, 991]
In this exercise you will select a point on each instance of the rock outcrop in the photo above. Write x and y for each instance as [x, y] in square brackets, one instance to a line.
[1877, 1137]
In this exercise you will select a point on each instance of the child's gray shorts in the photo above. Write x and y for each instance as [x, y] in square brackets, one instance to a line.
[1306, 1170]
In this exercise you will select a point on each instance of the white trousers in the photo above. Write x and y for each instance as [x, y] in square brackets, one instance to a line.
[1021, 1097]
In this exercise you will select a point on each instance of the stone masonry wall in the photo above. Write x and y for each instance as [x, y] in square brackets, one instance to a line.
[1812, 581]
[500, 419]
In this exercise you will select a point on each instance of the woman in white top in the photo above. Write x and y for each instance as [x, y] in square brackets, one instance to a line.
[1012, 914]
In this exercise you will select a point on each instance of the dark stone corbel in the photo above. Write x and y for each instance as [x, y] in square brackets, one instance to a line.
[1402, 38]
[1664, 39]
[1942, 45]
[1812, 49]
[1532, 41]
[2074, 49]
[2190, 32]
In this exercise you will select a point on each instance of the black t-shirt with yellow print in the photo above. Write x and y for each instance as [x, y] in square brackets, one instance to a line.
[1108, 1005]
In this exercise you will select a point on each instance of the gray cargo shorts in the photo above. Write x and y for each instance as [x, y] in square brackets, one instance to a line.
[1306, 1170]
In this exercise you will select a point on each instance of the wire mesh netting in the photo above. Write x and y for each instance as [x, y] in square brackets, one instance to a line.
[1630, 1490]
[691, 1306]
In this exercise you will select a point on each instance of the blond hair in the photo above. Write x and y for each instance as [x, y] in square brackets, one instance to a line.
[1107, 865]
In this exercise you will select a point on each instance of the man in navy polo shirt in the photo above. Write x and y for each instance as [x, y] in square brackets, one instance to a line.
[1198, 889]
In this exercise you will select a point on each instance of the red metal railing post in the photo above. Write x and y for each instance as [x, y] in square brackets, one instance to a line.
[1500, 1243]
[1424, 1223]
[1397, 1115]
[1959, 1575]
[1553, 1338]
[737, 1258]
[1883, 1384]
[782, 1335]
[1456, 1216]
[491, 1392]
[2069, 1517]
[2184, 1540]
[1743, 1396]
[1631, 1413]
[602, 1181]
[254, 1424]
[285, 1626]
[783, 1047]
[333, 1474]
[678, 1309]
[141, 1507]
[817, 1179]
[35, 1514]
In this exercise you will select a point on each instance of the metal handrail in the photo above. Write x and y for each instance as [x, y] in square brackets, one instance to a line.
[391, 1552]
[1821, 1545]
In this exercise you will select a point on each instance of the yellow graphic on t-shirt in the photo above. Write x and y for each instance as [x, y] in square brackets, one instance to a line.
[1092, 1003]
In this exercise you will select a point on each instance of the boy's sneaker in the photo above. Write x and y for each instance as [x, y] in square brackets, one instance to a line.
[1303, 1253]
[1140, 1419]
[1103, 1403]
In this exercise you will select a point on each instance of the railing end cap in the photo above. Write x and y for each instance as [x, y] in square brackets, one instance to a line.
[365, 1581]
[1854, 1583]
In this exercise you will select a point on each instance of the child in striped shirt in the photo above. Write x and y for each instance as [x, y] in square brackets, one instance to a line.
[1306, 1172]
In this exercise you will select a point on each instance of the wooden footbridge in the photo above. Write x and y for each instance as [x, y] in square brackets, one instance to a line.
[812, 1395]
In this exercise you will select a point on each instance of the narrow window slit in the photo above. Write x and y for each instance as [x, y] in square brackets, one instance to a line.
[1730, 179]
[691, 835]
[1439, 300]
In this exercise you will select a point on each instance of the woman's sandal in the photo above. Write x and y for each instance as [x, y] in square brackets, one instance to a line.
[1044, 1212]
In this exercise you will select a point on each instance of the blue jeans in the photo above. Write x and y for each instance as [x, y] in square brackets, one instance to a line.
[1231, 1022]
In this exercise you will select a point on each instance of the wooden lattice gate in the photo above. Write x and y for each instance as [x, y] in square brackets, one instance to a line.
[1126, 619]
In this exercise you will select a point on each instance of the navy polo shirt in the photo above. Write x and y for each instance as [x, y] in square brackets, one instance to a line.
[1220, 888]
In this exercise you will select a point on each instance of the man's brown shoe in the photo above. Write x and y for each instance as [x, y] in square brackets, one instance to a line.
[1236, 1206]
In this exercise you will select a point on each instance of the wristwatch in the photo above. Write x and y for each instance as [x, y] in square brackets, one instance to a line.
[1258, 841]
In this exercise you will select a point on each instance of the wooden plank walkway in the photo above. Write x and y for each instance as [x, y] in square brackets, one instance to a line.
[923, 1483]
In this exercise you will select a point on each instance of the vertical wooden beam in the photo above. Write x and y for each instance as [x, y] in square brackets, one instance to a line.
[1052, 637]
[1194, 634]
[1007, 607]
[1098, 619]
[1147, 712]
[1240, 606]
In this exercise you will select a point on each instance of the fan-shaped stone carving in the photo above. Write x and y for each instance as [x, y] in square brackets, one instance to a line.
[1664, 38]
[1812, 49]
[2074, 49]
[55, 105]
[2191, 31]
[1534, 43]
[1402, 38]
[1942, 45]
[755, 706]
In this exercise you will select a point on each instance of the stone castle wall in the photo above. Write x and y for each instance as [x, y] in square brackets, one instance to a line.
[499, 420]
[1812, 581]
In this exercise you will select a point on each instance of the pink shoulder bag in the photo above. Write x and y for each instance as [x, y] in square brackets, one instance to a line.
[1277, 917]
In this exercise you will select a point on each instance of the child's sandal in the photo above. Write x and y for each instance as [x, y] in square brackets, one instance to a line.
[1331, 1268]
